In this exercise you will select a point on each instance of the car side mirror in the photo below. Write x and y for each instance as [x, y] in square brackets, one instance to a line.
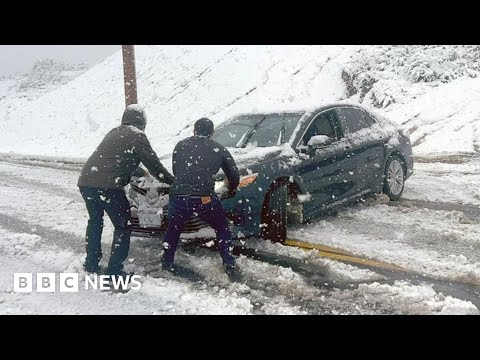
[319, 140]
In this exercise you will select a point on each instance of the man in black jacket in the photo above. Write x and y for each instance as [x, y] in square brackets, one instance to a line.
[196, 160]
[102, 182]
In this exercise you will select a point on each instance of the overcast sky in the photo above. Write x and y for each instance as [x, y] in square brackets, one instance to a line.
[20, 58]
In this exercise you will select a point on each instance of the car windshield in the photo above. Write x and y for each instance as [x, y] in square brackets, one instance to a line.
[259, 130]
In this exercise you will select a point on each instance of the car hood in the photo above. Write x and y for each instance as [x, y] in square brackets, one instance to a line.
[254, 156]
[247, 159]
[250, 160]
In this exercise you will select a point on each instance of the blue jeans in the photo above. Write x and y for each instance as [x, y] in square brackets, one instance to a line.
[181, 209]
[115, 204]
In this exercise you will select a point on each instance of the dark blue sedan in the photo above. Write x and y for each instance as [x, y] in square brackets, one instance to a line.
[296, 166]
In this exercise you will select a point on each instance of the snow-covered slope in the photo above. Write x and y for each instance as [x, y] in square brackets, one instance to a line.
[432, 90]
[46, 75]
[176, 85]
[18, 90]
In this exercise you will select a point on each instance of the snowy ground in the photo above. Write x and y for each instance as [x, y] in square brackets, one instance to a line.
[42, 224]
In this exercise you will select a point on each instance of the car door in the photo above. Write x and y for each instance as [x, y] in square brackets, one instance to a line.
[366, 148]
[325, 170]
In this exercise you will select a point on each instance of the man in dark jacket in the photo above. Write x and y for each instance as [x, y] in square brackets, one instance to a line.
[196, 160]
[102, 182]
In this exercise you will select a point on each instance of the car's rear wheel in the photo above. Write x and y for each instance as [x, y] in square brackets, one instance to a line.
[394, 179]
[274, 212]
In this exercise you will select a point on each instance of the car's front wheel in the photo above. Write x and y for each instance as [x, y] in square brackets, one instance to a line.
[274, 212]
[394, 179]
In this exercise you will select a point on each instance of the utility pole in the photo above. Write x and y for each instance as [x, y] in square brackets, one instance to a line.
[129, 74]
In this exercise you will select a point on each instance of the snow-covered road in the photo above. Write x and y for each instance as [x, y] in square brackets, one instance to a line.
[43, 218]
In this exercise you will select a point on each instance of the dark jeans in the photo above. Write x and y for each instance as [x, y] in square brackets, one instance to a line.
[115, 204]
[181, 209]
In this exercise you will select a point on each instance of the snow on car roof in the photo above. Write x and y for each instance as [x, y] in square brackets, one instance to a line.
[306, 110]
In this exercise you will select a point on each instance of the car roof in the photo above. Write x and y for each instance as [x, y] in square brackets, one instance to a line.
[293, 112]
[339, 104]
[306, 109]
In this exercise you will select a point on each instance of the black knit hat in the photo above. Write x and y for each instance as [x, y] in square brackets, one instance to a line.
[203, 127]
[134, 115]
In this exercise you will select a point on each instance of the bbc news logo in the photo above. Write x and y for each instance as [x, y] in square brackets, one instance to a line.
[69, 282]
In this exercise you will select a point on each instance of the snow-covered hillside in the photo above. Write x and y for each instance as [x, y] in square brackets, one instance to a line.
[45, 76]
[432, 90]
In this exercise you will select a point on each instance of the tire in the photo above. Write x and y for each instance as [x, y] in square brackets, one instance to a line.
[394, 177]
[274, 212]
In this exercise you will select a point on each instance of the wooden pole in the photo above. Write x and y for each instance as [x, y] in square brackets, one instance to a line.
[129, 75]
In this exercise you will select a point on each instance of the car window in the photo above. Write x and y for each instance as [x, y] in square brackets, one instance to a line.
[322, 125]
[368, 119]
[229, 135]
[260, 130]
[275, 130]
[353, 119]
